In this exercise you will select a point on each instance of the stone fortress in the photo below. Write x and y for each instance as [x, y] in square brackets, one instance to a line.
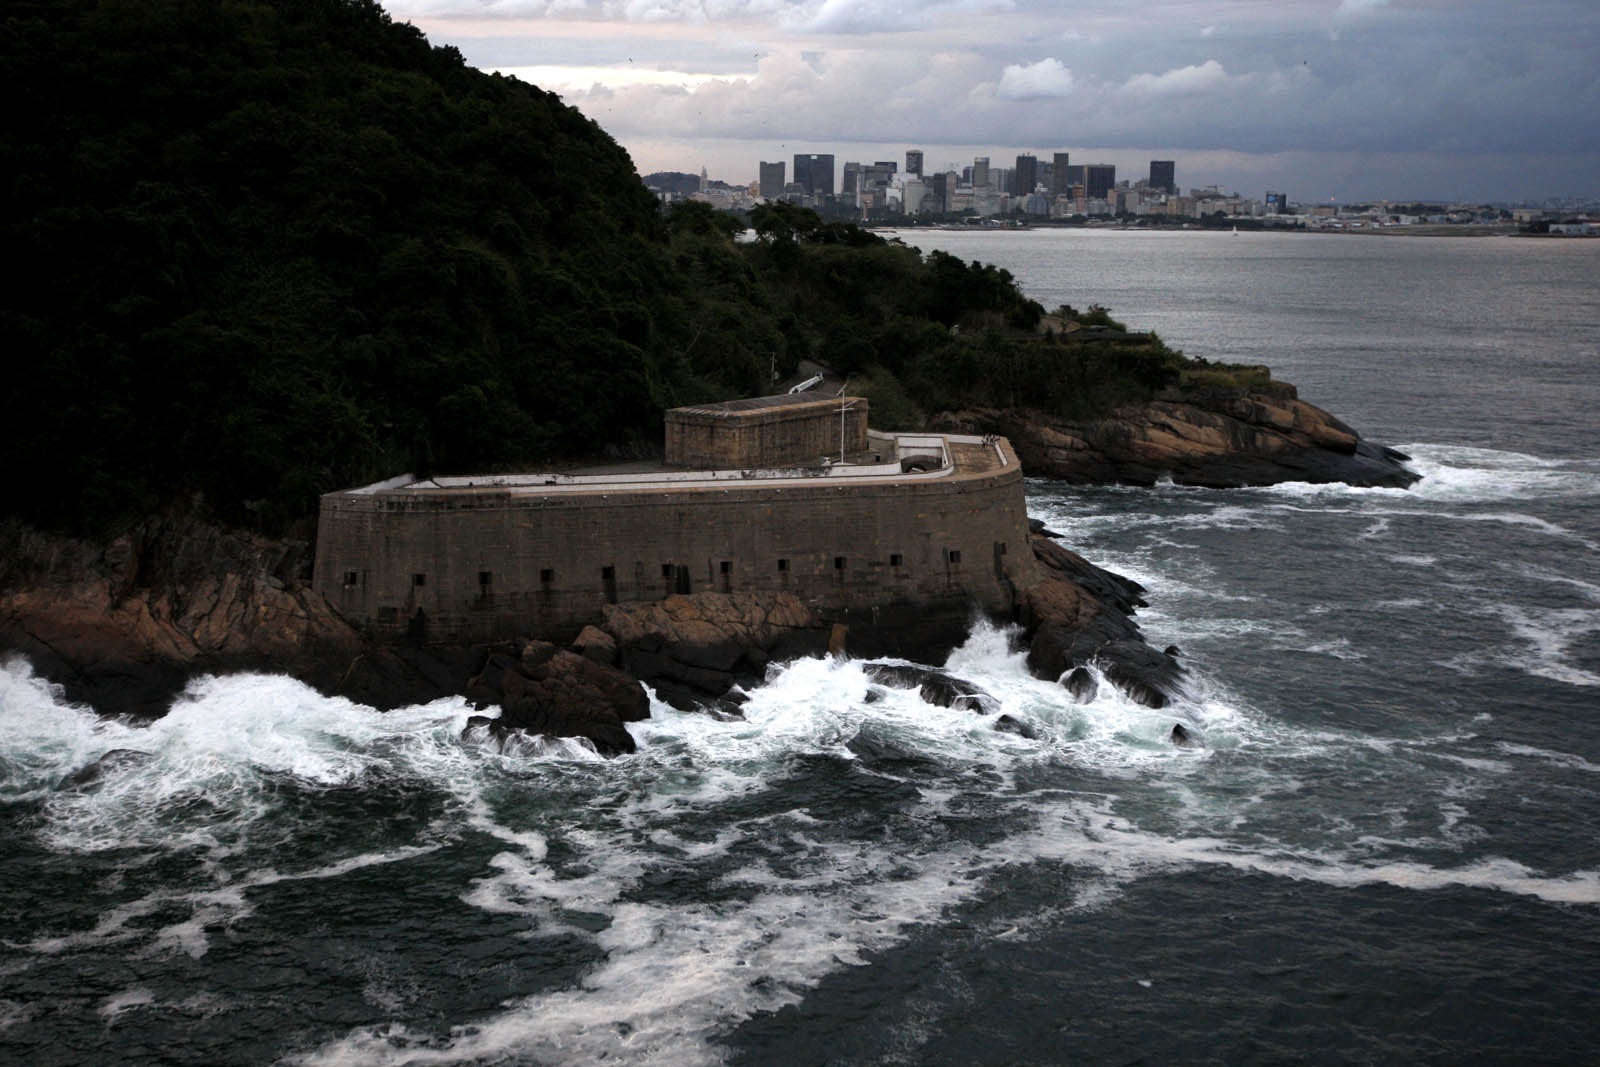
[789, 493]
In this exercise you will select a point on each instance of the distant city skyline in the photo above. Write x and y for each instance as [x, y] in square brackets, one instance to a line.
[1346, 100]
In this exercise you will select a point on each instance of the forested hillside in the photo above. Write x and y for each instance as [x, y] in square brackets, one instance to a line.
[260, 249]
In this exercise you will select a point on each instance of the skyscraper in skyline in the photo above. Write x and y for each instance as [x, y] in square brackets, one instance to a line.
[1163, 175]
[1025, 176]
[815, 174]
[1098, 178]
[852, 179]
[772, 179]
[914, 161]
[1059, 166]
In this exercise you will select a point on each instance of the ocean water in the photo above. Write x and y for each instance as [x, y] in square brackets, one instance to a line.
[1386, 848]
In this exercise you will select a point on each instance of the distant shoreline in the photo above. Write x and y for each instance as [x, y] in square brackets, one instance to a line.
[1422, 230]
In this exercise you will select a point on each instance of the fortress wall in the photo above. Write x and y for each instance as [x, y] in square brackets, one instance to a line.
[722, 437]
[485, 564]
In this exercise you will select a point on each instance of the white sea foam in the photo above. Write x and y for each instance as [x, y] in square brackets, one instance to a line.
[15, 1014]
[127, 1000]
[1455, 473]
[677, 975]
[1563, 759]
[799, 903]
[42, 738]
[1547, 637]
[207, 909]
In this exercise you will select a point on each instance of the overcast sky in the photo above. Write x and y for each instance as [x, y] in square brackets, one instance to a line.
[1321, 99]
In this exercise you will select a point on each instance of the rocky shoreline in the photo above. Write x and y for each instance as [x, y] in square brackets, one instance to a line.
[1217, 439]
[123, 626]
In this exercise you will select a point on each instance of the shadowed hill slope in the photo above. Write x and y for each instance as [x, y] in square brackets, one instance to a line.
[258, 250]
[263, 249]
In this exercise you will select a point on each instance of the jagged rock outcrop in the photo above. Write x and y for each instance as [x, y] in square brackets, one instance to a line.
[123, 626]
[935, 686]
[1079, 681]
[1075, 613]
[544, 690]
[1221, 439]
[693, 649]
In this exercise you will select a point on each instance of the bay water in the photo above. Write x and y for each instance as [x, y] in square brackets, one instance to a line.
[1385, 849]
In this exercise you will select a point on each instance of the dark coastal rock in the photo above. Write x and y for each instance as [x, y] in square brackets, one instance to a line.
[92, 774]
[883, 753]
[1181, 737]
[1075, 613]
[935, 686]
[1081, 684]
[1219, 439]
[694, 649]
[123, 625]
[542, 689]
[1008, 724]
[594, 643]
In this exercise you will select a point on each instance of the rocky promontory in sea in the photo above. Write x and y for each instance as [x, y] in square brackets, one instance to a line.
[415, 265]
[1221, 439]
[123, 627]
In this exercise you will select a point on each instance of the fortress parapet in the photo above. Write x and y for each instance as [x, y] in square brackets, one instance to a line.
[909, 519]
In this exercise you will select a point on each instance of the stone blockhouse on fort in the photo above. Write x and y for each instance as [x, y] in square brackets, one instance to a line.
[785, 430]
[904, 520]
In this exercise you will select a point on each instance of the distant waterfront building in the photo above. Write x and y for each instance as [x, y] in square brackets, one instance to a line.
[1124, 200]
[1060, 179]
[872, 188]
[1025, 176]
[914, 162]
[912, 195]
[815, 173]
[980, 172]
[772, 179]
[1074, 176]
[1163, 175]
[852, 179]
[1098, 180]
[1277, 204]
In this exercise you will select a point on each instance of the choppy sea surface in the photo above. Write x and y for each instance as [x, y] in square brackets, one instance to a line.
[1386, 849]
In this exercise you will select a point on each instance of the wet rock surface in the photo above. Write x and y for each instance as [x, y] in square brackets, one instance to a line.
[1221, 439]
[1076, 614]
[693, 650]
[545, 690]
[935, 686]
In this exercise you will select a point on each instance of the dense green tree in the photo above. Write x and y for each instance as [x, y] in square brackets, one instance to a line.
[262, 249]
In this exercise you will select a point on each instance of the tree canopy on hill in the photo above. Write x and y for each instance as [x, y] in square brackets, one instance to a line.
[262, 249]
